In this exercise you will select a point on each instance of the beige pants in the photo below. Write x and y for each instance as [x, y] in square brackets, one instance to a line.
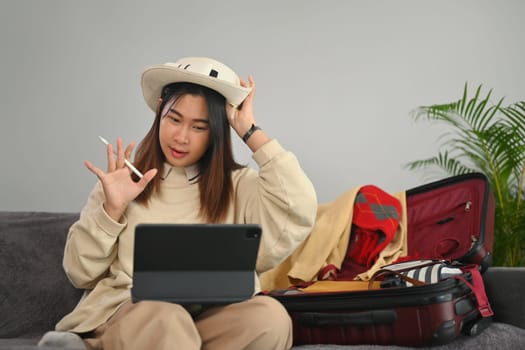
[257, 323]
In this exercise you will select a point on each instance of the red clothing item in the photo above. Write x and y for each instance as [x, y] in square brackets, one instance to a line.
[375, 221]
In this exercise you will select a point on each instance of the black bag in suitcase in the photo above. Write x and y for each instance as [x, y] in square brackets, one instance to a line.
[450, 219]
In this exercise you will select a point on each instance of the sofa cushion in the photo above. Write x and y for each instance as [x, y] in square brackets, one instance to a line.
[504, 286]
[34, 290]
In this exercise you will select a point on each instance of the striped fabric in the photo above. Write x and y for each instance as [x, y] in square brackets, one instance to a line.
[429, 271]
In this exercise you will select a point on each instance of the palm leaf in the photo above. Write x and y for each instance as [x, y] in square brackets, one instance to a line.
[516, 120]
[443, 162]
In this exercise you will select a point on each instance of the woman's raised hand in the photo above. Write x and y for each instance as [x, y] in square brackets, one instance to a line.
[119, 187]
[241, 119]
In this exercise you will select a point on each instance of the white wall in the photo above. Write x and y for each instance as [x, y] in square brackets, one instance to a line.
[336, 80]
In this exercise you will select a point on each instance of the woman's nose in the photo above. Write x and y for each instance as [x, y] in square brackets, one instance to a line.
[181, 135]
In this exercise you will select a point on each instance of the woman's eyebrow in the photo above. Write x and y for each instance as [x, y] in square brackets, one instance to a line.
[173, 110]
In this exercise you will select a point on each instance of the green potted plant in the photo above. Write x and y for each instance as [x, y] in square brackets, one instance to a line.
[489, 138]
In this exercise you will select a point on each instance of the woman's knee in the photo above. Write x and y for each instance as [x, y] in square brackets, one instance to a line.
[157, 323]
[258, 323]
[168, 318]
[273, 322]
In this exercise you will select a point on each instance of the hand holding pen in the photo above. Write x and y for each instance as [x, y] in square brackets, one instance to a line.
[126, 161]
[119, 187]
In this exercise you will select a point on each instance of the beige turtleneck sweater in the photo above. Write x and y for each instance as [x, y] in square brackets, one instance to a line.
[98, 255]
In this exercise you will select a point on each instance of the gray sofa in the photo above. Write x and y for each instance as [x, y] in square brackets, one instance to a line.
[35, 293]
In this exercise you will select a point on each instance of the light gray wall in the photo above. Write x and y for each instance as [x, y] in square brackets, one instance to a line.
[336, 80]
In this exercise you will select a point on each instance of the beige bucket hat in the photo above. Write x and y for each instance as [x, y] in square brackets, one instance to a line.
[198, 70]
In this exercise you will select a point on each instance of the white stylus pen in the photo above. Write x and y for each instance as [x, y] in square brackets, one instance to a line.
[127, 162]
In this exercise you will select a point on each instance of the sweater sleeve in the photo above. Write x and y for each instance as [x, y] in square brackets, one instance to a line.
[91, 243]
[280, 198]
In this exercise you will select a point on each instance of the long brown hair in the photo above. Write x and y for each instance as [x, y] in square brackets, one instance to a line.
[215, 166]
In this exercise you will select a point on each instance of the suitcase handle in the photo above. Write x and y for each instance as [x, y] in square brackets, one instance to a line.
[320, 319]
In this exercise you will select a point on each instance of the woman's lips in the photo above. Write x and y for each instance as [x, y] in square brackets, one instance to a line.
[177, 153]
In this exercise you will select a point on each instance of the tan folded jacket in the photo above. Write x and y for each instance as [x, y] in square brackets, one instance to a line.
[328, 242]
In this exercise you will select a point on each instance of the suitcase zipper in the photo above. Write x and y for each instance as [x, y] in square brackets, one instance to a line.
[443, 291]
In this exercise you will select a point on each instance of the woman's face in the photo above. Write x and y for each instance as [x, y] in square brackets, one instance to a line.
[184, 131]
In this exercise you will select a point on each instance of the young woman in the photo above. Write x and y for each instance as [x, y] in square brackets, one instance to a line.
[190, 176]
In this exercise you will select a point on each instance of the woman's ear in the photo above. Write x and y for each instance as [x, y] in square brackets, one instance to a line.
[159, 102]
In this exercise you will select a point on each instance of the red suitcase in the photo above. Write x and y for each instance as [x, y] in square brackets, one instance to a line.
[424, 315]
[450, 219]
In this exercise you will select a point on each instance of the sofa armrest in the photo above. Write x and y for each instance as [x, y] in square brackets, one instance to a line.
[34, 290]
[504, 287]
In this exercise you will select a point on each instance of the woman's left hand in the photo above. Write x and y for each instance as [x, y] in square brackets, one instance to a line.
[241, 119]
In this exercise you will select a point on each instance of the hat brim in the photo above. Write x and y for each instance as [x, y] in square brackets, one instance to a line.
[156, 77]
